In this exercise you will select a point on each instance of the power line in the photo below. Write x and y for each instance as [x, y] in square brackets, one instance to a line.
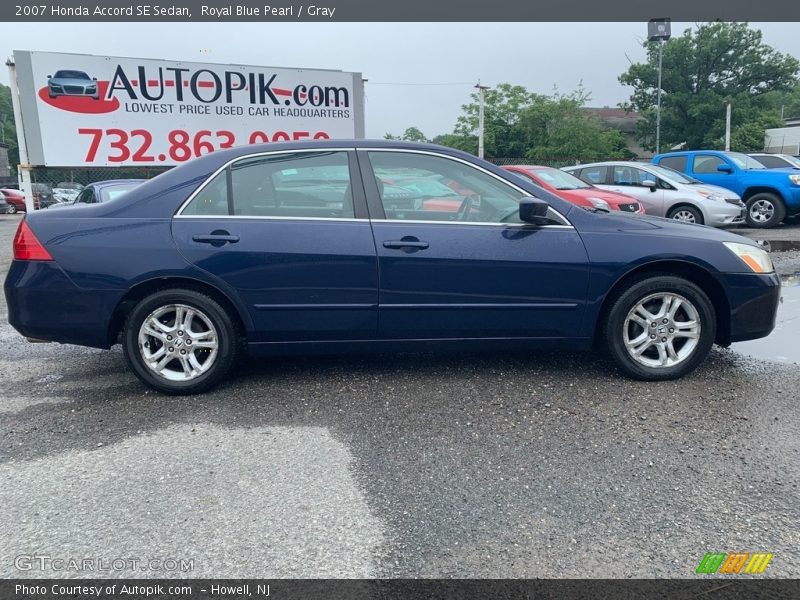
[409, 83]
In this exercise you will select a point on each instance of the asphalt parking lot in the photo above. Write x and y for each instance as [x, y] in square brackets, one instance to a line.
[513, 465]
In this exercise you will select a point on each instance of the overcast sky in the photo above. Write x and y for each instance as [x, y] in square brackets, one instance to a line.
[538, 56]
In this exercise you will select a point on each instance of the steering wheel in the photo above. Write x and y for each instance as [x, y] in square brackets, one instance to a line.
[463, 210]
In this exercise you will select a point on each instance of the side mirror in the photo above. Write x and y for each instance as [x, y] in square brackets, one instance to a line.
[725, 168]
[49, 76]
[533, 210]
[94, 78]
[650, 183]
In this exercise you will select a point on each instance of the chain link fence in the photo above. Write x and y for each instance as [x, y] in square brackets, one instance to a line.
[51, 185]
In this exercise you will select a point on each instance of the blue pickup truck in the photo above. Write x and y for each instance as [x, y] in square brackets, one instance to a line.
[771, 195]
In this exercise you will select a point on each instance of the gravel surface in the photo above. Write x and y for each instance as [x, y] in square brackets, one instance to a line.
[502, 465]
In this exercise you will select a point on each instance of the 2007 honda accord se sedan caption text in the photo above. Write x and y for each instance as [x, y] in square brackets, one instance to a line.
[335, 246]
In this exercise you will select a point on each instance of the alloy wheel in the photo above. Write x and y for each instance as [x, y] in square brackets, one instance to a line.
[178, 342]
[662, 330]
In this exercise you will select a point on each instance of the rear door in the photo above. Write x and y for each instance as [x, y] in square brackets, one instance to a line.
[470, 268]
[289, 232]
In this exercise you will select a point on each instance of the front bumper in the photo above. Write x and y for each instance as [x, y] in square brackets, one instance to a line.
[754, 300]
[719, 214]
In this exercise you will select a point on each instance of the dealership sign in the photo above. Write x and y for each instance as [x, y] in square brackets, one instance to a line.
[82, 110]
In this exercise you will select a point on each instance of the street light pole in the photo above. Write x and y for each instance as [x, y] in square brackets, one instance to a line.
[658, 101]
[481, 101]
[659, 30]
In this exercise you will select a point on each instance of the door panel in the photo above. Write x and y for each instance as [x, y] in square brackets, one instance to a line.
[481, 281]
[282, 231]
[448, 269]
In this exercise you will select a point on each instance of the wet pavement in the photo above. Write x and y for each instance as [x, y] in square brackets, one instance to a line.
[505, 465]
[783, 344]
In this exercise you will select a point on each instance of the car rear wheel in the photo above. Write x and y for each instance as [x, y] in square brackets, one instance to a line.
[765, 210]
[12, 209]
[660, 327]
[180, 341]
[687, 214]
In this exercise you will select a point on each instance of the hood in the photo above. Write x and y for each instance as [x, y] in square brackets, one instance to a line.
[611, 197]
[713, 189]
[614, 221]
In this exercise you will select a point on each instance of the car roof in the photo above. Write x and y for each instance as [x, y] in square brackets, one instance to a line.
[108, 182]
[607, 163]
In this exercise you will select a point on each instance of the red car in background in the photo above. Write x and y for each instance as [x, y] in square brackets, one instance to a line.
[15, 199]
[575, 190]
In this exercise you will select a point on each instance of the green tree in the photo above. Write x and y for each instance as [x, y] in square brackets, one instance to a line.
[702, 70]
[503, 107]
[9, 129]
[521, 124]
[411, 134]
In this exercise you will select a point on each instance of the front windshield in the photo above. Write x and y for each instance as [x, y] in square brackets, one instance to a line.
[795, 162]
[672, 174]
[559, 179]
[743, 161]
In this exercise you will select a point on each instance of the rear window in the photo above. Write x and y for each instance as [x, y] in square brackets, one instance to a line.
[677, 163]
[594, 175]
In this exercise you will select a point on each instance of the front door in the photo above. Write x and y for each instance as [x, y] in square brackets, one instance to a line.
[456, 262]
[630, 180]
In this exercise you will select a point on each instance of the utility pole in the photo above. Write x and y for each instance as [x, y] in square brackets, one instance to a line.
[481, 101]
[659, 30]
[658, 101]
[728, 127]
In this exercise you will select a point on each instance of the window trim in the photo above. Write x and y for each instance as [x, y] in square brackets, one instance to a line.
[356, 152]
[349, 151]
[365, 151]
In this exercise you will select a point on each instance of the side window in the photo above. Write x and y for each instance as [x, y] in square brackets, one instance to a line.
[707, 164]
[594, 175]
[311, 184]
[772, 162]
[421, 187]
[674, 162]
[86, 197]
[212, 200]
[625, 175]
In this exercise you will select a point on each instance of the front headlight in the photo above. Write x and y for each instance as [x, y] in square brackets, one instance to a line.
[599, 203]
[711, 196]
[795, 179]
[757, 259]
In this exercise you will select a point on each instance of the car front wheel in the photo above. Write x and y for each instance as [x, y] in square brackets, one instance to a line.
[180, 341]
[687, 214]
[765, 210]
[660, 327]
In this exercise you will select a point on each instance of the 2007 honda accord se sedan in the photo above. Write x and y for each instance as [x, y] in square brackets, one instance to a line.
[329, 246]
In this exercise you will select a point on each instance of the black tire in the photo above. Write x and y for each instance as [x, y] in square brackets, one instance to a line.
[12, 209]
[227, 336]
[695, 213]
[764, 210]
[615, 330]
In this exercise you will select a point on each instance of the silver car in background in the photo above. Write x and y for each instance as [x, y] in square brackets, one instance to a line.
[666, 193]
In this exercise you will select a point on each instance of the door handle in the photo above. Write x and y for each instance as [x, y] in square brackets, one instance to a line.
[414, 244]
[216, 239]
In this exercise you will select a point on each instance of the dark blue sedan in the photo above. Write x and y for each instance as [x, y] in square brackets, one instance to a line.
[300, 248]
